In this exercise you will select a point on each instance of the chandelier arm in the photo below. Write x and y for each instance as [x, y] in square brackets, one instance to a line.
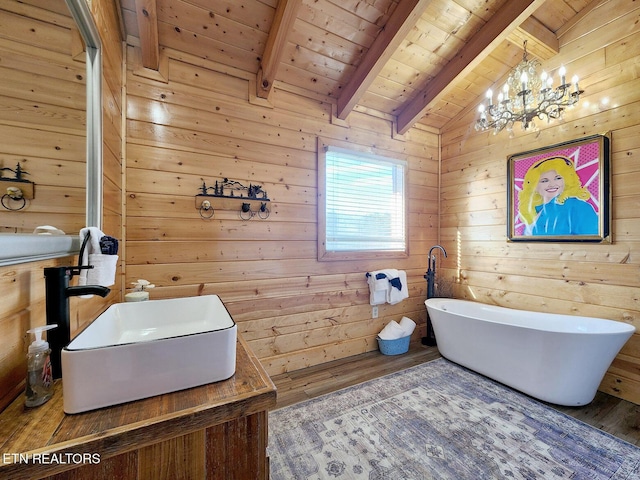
[532, 96]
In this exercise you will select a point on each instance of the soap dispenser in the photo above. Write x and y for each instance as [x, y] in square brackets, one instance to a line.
[39, 374]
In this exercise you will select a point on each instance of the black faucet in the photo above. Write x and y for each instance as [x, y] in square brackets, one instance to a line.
[431, 270]
[58, 291]
[430, 276]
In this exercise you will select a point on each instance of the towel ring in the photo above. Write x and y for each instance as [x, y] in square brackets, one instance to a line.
[206, 210]
[245, 212]
[7, 201]
[76, 270]
[263, 212]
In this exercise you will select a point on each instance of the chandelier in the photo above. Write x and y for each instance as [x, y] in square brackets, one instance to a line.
[527, 96]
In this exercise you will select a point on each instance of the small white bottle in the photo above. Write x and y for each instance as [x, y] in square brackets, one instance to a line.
[39, 374]
[140, 293]
[136, 297]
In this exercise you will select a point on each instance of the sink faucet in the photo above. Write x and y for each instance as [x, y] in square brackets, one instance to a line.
[58, 291]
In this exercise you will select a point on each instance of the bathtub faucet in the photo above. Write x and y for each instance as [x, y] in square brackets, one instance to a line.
[57, 292]
[431, 270]
[430, 339]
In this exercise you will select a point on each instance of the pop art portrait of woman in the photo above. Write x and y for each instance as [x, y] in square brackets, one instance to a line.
[560, 193]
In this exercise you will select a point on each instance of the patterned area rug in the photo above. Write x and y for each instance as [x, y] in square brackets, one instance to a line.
[439, 421]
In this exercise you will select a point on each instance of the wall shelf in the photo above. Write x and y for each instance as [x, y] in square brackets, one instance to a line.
[232, 195]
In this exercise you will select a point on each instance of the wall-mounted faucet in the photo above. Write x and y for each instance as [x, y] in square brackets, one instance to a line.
[58, 291]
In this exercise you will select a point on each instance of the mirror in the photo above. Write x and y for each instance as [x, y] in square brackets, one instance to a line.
[54, 113]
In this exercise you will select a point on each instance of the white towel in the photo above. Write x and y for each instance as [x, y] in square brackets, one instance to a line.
[378, 289]
[385, 289]
[392, 331]
[408, 325]
[103, 271]
[104, 266]
[397, 295]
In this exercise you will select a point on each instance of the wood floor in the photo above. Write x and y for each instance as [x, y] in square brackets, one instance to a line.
[610, 414]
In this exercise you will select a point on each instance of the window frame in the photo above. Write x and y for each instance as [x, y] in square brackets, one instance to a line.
[329, 255]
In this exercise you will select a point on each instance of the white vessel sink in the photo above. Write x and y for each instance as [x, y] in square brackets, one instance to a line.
[141, 349]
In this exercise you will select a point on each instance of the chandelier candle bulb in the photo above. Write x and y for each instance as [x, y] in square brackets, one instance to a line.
[490, 96]
[483, 115]
[563, 73]
[574, 80]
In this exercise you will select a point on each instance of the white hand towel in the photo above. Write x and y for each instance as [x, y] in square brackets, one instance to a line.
[103, 271]
[104, 266]
[397, 295]
[378, 288]
[408, 325]
[392, 331]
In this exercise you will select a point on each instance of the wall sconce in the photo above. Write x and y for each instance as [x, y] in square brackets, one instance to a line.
[228, 194]
[17, 189]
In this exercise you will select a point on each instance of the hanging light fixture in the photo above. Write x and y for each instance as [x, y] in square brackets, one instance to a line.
[527, 96]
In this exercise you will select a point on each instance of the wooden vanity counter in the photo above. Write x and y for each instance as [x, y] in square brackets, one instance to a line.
[216, 431]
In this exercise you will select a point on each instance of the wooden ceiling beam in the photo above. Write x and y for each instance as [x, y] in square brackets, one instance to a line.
[542, 43]
[496, 30]
[282, 24]
[147, 19]
[401, 21]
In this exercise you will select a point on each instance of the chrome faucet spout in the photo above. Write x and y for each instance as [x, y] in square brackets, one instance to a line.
[57, 292]
[431, 269]
[440, 247]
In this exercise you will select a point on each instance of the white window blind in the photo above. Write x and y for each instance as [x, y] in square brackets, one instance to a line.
[365, 202]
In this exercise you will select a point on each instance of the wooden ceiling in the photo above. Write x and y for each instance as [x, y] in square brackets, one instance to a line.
[423, 61]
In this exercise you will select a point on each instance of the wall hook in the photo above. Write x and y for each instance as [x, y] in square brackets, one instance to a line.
[229, 195]
[19, 189]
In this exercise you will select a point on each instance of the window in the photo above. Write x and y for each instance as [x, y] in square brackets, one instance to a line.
[361, 205]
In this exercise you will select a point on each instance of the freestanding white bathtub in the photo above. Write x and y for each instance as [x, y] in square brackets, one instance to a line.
[559, 359]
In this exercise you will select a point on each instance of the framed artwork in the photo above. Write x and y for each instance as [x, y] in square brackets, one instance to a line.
[560, 193]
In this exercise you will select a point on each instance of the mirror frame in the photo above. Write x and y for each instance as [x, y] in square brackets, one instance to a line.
[22, 248]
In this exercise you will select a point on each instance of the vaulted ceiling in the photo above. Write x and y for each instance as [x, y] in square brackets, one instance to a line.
[423, 61]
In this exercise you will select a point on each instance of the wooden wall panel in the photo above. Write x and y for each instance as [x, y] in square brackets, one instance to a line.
[293, 310]
[600, 280]
[59, 198]
[42, 95]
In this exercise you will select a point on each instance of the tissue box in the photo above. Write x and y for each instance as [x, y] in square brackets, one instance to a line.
[394, 347]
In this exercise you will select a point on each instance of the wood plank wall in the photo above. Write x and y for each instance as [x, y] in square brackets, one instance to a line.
[22, 286]
[42, 98]
[200, 126]
[584, 279]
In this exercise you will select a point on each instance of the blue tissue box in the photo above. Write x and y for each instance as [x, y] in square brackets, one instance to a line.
[394, 347]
